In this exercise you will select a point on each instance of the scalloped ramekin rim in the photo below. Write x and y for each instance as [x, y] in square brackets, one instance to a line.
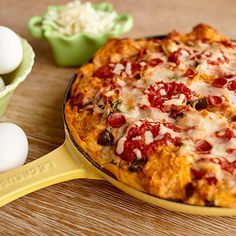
[81, 35]
[27, 52]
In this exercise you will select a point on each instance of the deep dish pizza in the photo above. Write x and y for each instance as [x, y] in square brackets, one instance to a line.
[159, 114]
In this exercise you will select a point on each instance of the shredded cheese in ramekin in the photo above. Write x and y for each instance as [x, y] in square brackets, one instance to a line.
[76, 17]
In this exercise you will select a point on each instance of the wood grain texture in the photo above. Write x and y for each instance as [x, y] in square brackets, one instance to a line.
[87, 207]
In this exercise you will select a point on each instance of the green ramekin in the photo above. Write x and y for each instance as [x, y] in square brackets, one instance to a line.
[13, 79]
[79, 48]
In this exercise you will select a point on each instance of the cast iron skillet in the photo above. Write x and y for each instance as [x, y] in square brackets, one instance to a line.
[69, 162]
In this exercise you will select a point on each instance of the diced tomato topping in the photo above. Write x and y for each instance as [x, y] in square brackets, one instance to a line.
[175, 56]
[155, 62]
[189, 73]
[220, 60]
[227, 166]
[172, 126]
[116, 119]
[164, 91]
[203, 147]
[228, 44]
[135, 67]
[215, 100]
[208, 54]
[230, 150]
[135, 139]
[123, 62]
[220, 82]
[226, 59]
[223, 163]
[232, 85]
[229, 76]
[104, 72]
[225, 134]
[216, 62]
[211, 180]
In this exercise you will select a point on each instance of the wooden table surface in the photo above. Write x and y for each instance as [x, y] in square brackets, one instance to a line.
[89, 207]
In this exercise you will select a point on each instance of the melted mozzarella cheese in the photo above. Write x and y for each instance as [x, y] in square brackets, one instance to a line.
[128, 69]
[229, 68]
[165, 74]
[160, 73]
[175, 101]
[220, 146]
[204, 89]
[172, 46]
[206, 68]
[120, 145]
[204, 123]
[162, 92]
[137, 138]
[148, 137]
[130, 105]
[118, 69]
[204, 126]
[143, 100]
[120, 82]
[215, 52]
[154, 55]
[157, 115]
[163, 130]
[137, 153]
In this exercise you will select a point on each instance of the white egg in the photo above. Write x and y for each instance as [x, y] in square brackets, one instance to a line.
[13, 146]
[11, 51]
[2, 84]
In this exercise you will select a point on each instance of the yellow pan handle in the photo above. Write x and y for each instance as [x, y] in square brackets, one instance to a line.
[55, 167]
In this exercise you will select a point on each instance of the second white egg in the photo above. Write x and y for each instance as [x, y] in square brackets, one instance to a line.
[13, 146]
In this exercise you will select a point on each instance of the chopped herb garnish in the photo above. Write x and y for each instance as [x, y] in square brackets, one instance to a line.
[115, 105]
